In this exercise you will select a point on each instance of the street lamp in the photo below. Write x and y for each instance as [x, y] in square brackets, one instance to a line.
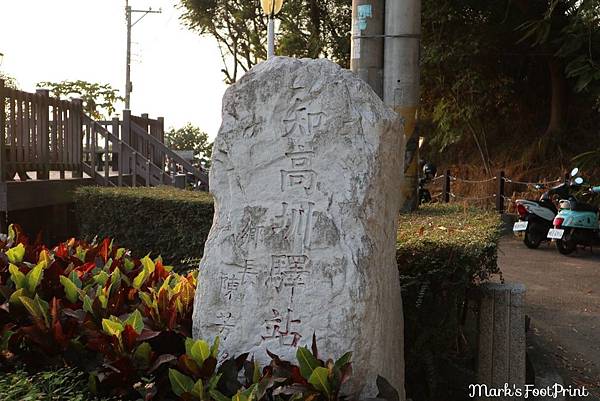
[270, 8]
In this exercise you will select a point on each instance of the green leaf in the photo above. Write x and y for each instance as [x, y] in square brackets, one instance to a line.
[143, 352]
[214, 381]
[87, 305]
[344, 359]
[145, 297]
[75, 279]
[34, 308]
[189, 343]
[16, 254]
[180, 383]
[15, 297]
[120, 253]
[71, 289]
[214, 350]
[139, 280]
[128, 264]
[34, 277]
[80, 253]
[239, 396]
[218, 396]
[101, 278]
[320, 380]
[200, 351]
[135, 321]
[198, 389]
[12, 234]
[112, 328]
[17, 277]
[256, 373]
[148, 264]
[43, 307]
[308, 363]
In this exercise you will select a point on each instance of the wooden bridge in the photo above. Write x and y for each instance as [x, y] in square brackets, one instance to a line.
[50, 146]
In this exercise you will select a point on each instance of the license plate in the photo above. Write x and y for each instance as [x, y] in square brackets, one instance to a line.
[555, 233]
[520, 226]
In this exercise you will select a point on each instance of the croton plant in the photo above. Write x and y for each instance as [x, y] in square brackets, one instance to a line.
[127, 323]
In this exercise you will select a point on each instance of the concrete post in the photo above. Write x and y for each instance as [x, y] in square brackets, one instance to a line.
[502, 342]
[271, 38]
[401, 82]
[368, 23]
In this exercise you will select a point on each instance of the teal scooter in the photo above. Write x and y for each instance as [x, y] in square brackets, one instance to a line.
[577, 223]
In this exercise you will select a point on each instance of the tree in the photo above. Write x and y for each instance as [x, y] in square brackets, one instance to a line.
[190, 137]
[309, 28]
[98, 99]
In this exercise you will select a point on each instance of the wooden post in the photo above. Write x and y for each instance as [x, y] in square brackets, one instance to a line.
[43, 134]
[144, 146]
[500, 192]
[134, 172]
[77, 137]
[2, 132]
[161, 137]
[117, 166]
[125, 164]
[147, 172]
[447, 186]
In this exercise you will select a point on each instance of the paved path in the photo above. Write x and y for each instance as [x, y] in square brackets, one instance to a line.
[563, 301]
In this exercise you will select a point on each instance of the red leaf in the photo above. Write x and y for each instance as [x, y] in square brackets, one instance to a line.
[105, 249]
[147, 335]
[129, 336]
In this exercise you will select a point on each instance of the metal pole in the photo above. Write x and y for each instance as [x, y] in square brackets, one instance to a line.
[271, 38]
[128, 62]
[401, 82]
[366, 60]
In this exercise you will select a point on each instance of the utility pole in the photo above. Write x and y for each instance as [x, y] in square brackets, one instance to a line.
[368, 30]
[401, 82]
[128, 13]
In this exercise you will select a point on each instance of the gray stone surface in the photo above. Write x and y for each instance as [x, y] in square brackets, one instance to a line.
[502, 342]
[306, 176]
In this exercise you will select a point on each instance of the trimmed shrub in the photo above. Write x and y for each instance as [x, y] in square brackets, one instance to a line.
[172, 221]
[443, 252]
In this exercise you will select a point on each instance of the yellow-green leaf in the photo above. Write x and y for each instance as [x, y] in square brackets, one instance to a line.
[139, 280]
[214, 350]
[148, 264]
[320, 380]
[16, 254]
[180, 383]
[120, 253]
[135, 321]
[112, 328]
[71, 289]
[307, 361]
[15, 297]
[198, 389]
[200, 351]
[87, 305]
[34, 277]
[17, 277]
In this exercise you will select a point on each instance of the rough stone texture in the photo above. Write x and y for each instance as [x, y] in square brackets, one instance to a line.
[502, 337]
[306, 176]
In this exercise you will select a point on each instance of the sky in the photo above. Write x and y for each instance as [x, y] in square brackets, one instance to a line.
[175, 73]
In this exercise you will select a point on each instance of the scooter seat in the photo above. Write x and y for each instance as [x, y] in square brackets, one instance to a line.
[585, 207]
[547, 204]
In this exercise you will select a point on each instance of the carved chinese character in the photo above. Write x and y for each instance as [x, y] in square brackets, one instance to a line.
[282, 328]
[229, 284]
[224, 323]
[296, 224]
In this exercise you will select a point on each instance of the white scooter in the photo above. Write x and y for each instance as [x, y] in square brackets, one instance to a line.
[536, 217]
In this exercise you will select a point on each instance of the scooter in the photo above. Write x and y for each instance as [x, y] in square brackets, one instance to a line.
[429, 172]
[577, 223]
[536, 217]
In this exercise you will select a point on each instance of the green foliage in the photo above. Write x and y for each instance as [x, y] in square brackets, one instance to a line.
[58, 384]
[180, 220]
[308, 28]
[443, 251]
[99, 100]
[190, 137]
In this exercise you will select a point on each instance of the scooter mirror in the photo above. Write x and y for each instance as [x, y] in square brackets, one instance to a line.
[574, 172]
[578, 180]
[539, 186]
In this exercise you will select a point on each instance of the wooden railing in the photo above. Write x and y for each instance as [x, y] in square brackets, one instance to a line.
[45, 134]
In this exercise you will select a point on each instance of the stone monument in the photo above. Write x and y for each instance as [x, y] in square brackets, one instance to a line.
[306, 174]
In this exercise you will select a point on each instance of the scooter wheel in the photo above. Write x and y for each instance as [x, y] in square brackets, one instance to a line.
[566, 247]
[532, 240]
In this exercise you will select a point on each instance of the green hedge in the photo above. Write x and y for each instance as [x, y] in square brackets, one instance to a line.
[165, 220]
[443, 252]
